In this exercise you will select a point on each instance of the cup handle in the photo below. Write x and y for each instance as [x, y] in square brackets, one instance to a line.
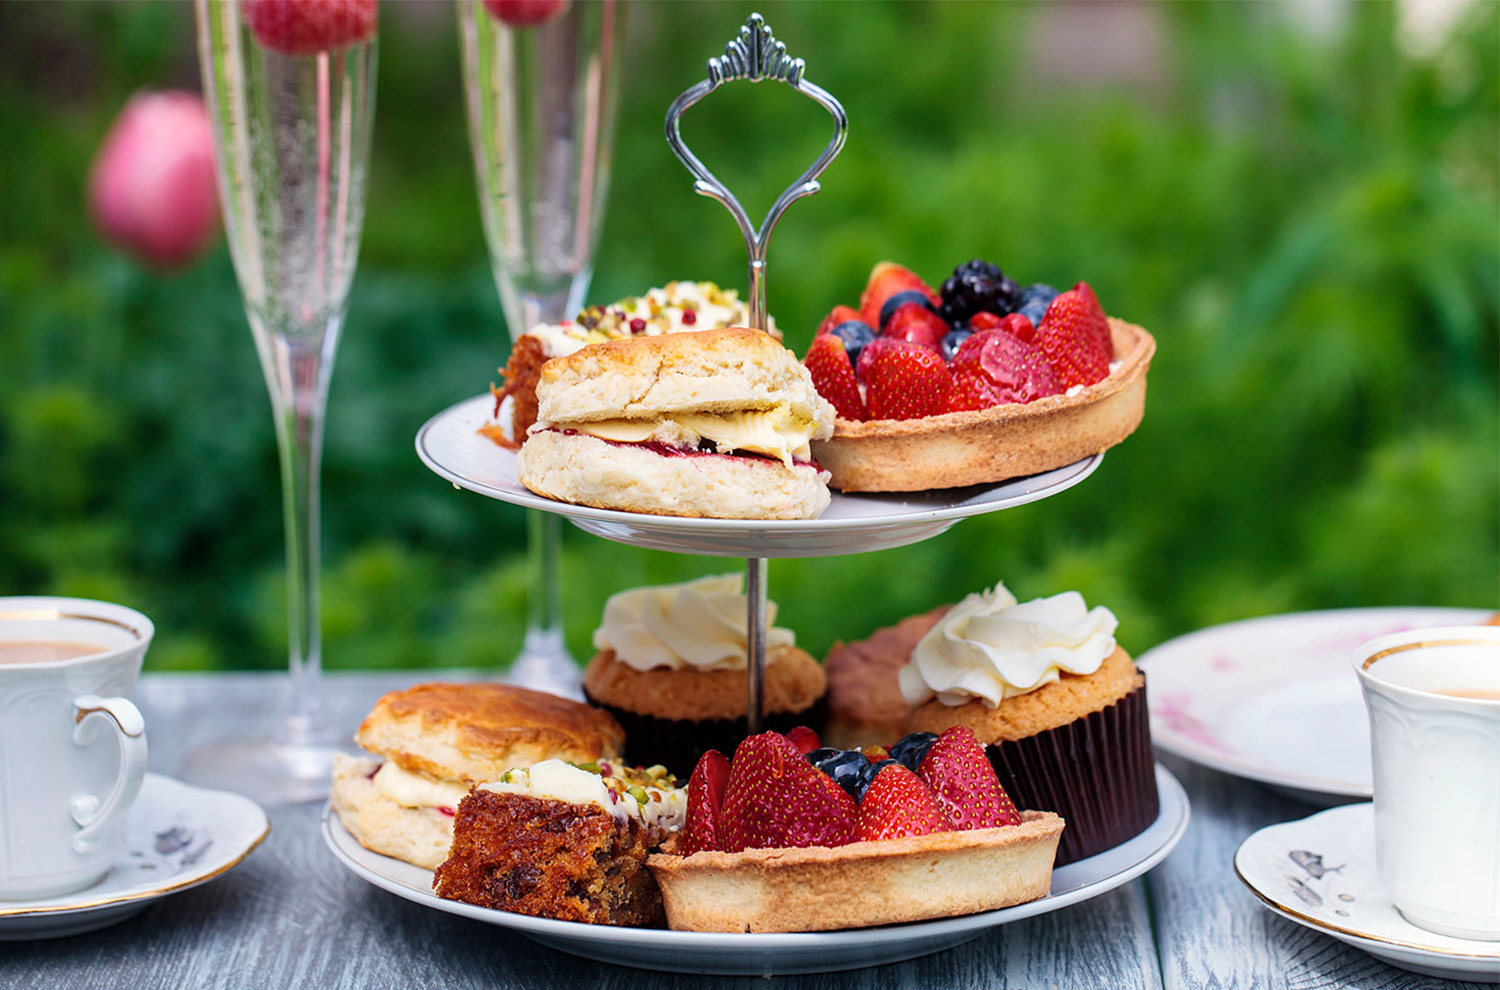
[91, 814]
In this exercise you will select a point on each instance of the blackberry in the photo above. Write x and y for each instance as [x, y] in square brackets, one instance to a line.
[855, 334]
[977, 286]
[844, 766]
[912, 749]
[899, 299]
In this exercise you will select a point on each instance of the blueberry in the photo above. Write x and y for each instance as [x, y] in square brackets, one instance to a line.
[820, 754]
[912, 749]
[866, 777]
[900, 299]
[1035, 299]
[855, 334]
[954, 340]
[844, 766]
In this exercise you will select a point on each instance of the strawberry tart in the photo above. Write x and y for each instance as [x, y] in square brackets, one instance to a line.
[790, 836]
[982, 381]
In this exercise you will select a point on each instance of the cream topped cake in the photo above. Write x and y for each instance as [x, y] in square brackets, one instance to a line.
[1060, 706]
[671, 664]
[556, 840]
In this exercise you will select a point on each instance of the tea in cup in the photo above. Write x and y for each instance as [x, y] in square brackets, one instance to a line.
[72, 742]
[1434, 702]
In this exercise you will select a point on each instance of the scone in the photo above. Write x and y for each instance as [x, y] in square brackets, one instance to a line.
[1059, 704]
[865, 703]
[434, 741]
[712, 424]
[560, 841]
[671, 670]
[672, 308]
[984, 382]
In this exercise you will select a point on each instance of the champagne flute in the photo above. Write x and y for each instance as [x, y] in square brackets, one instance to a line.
[290, 89]
[541, 80]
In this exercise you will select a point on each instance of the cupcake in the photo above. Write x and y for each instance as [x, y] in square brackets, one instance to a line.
[671, 670]
[1060, 706]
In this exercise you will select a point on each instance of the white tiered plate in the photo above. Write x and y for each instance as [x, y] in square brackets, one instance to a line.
[176, 837]
[451, 445]
[1331, 887]
[799, 952]
[1275, 699]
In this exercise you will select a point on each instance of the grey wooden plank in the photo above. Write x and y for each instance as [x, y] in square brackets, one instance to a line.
[1211, 930]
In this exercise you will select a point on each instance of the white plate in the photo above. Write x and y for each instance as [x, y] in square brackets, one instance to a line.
[177, 837]
[1331, 887]
[1275, 699]
[451, 445]
[803, 952]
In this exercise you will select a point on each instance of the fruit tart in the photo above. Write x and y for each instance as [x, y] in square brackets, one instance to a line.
[979, 382]
[790, 836]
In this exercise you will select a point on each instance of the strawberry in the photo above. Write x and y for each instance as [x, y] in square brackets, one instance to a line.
[1074, 334]
[906, 381]
[833, 376]
[805, 739]
[995, 367]
[302, 27]
[984, 320]
[777, 799]
[524, 13]
[886, 279]
[839, 314]
[705, 803]
[1018, 326]
[871, 351]
[875, 753]
[898, 804]
[964, 783]
[916, 323]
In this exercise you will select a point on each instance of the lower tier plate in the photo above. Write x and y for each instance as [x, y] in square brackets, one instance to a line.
[746, 954]
[452, 446]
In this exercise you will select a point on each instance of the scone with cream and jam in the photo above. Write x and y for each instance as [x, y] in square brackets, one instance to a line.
[983, 381]
[672, 308]
[788, 837]
[556, 840]
[712, 424]
[671, 669]
[1060, 706]
[434, 741]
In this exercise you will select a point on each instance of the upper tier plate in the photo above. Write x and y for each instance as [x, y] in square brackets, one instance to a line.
[451, 445]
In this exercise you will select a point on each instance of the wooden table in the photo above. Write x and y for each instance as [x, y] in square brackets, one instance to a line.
[292, 916]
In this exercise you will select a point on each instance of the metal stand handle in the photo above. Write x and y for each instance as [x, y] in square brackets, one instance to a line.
[755, 55]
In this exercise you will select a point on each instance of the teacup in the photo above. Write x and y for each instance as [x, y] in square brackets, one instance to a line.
[1434, 701]
[72, 742]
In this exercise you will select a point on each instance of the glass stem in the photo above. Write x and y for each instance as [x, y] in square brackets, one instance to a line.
[297, 374]
[544, 633]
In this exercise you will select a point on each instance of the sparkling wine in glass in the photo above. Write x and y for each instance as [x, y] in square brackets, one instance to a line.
[542, 84]
[290, 88]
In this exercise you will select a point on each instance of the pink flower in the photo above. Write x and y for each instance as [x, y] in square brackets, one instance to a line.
[152, 190]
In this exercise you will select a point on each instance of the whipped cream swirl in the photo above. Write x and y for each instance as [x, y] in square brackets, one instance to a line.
[699, 625]
[990, 648]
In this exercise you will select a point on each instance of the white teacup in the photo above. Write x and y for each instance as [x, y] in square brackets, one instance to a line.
[1434, 702]
[68, 669]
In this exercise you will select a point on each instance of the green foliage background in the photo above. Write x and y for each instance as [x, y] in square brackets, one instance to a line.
[1306, 220]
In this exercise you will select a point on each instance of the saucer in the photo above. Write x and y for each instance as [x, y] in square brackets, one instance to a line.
[176, 837]
[1320, 872]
